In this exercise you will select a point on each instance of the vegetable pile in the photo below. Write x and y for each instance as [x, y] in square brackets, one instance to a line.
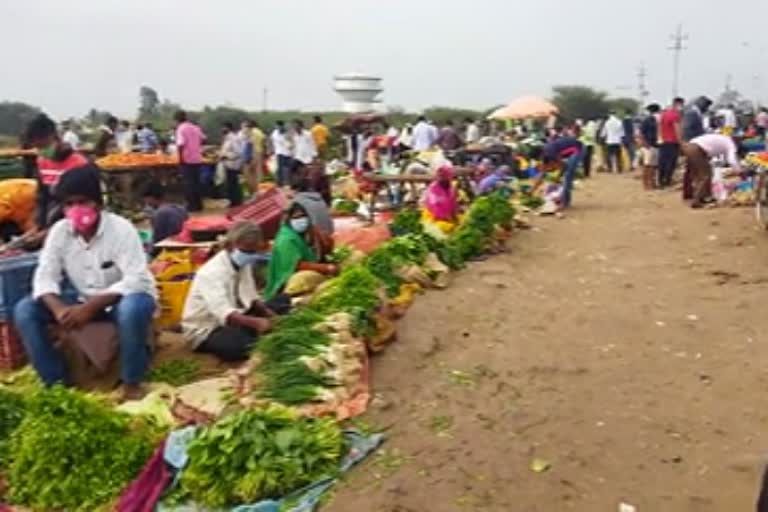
[175, 373]
[12, 409]
[72, 452]
[258, 454]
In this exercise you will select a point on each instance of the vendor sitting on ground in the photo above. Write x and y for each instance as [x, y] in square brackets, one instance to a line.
[301, 244]
[102, 255]
[224, 313]
[167, 219]
[441, 203]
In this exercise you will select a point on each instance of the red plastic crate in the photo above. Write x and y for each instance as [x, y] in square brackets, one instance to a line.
[12, 353]
[266, 211]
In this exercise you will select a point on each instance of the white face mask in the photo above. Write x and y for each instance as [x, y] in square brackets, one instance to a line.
[300, 225]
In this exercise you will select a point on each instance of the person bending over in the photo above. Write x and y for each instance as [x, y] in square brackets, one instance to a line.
[102, 255]
[224, 314]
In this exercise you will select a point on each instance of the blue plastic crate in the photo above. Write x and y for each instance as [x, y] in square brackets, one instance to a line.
[15, 281]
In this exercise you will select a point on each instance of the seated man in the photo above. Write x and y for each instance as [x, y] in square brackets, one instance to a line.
[102, 255]
[224, 314]
[167, 219]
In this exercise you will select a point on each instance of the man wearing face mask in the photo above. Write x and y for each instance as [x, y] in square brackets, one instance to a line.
[102, 255]
[298, 246]
[55, 158]
[224, 313]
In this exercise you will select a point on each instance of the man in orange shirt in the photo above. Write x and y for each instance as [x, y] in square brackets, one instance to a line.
[320, 134]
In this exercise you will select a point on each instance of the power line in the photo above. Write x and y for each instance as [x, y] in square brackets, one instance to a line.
[678, 45]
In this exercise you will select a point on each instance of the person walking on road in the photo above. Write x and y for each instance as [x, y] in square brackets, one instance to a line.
[698, 153]
[613, 131]
[588, 139]
[670, 135]
[189, 144]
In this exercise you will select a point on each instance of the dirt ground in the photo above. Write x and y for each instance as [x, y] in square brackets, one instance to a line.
[621, 347]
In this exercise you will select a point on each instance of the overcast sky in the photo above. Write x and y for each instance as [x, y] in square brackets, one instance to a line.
[69, 55]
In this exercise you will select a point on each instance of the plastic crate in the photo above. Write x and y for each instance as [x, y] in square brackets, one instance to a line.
[15, 281]
[12, 353]
[266, 211]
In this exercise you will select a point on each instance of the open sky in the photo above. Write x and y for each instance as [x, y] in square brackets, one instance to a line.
[67, 56]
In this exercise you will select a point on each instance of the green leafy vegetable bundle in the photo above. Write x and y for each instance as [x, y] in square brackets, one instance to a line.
[354, 291]
[175, 373]
[346, 206]
[12, 409]
[258, 454]
[71, 452]
[407, 220]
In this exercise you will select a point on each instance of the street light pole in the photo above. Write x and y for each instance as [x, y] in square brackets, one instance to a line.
[678, 45]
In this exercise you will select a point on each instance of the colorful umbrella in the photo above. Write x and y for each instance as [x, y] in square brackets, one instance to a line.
[524, 108]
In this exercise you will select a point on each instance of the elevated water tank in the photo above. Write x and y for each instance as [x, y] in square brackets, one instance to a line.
[358, 90]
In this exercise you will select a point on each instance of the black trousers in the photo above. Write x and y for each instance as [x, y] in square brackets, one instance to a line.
[192, 185]
[234, 189]
[587, 161]
[614, 158]
[669, 152]
[230, 344]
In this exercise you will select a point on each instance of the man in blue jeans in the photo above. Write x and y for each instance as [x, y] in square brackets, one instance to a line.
[102, 255]
[570, 150]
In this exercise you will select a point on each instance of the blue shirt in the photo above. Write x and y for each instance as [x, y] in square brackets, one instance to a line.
[147, 140]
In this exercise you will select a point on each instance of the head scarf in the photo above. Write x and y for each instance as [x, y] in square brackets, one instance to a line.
[445, 173]
[442, 202]
[80, 181]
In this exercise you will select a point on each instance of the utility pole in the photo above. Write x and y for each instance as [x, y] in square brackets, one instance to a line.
[678, 45]
[264, 95]
[642, 92]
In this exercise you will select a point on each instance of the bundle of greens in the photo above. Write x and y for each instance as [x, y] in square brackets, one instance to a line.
[71, 452]
[407, 220]
[175, 373]
[385, 261]
[12, 409]
[258, 454]
[354, 291]
[532, 202]
[340, 254]
[346, 206]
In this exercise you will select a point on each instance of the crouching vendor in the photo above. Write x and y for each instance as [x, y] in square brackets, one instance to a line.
[102, 255]
[223, 314]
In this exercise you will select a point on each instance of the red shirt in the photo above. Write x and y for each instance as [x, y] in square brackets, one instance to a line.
[669, 119]
[51, 170]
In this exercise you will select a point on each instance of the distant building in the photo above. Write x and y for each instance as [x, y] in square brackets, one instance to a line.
[359, 92]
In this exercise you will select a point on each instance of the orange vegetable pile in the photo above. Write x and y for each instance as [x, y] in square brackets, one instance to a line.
[119, 160]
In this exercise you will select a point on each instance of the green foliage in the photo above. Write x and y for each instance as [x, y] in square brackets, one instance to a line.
[12, 409]
[259, 454]
[14, 116]
[401, 251]
[407, 220]
[72, 452]
[175, 373]
[580, 102]
[340, 254]
[624, 106]
[354, 291]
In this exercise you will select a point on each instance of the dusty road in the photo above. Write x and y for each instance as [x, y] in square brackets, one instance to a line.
[625, 346]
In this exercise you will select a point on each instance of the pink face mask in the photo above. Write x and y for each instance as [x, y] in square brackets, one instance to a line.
[83, 218]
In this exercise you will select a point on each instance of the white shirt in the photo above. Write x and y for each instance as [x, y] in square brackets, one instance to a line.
[281, 143]
[124, 140]
[218, 290]
[716, 145]
[423, 136]
[613, 130]
[729, 117]
[232, 151]
[304, 149]
[71, 138]
[112, 262]
[473, 133]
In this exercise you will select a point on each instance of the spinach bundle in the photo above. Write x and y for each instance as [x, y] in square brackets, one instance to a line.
[12, 409]
[354, 291]
[72, 452]
[257, 454]
[407, 220]
[385, 261]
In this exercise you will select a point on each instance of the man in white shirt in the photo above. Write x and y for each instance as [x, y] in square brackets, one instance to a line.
[698, 153]
[124, 137]
[281, 145]
[102, 255]
[423, 136]
[232, 157]
[69, 136]
[473, 131]
[223, 314]
[304, 148]
[729, 120]
[613, 133]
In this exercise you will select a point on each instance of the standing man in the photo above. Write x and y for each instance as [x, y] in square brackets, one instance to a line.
[670, 135]
[613, 131]
[69, 136]
[649, 151]
[281, 145]
[422, 135]
[320, 134]
[693, 126]
[729, 120]
[231, 157]
[698, 153]
[124, 137]
[762, 121]
[449, 139]
[254, 165]
[628, 141]
[189, 144]
[554, 153]
[304, 150]
[147, 138]
[102, 256]
[472, 135]
[588, 140]
[105, 142]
